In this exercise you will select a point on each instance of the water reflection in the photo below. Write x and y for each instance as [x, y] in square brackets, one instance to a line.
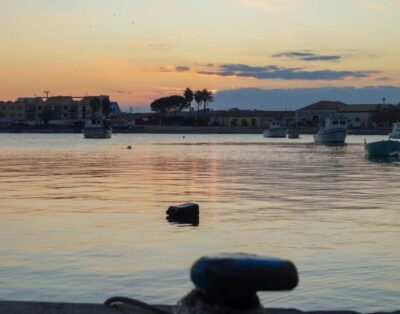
[185, 221]
[83, 221]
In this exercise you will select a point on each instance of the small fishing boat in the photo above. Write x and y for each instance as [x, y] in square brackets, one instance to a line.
[275, 130]
[293, 134]
[395, 131]
[334, 132]
[97, 127]
[382, 150]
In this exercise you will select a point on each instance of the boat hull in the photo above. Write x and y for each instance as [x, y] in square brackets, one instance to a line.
[293, 135]
[334, 136]
[278, 132]
[383, 150]
[394, 135]
[97, 132]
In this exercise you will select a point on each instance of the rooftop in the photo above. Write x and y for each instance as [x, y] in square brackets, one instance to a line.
[341, 107]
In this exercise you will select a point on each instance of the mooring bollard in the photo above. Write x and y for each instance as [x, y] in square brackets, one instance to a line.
[229, 283]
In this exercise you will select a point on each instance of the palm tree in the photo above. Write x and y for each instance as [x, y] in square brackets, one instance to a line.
[198, 97]
[188, 95]
[207, 97]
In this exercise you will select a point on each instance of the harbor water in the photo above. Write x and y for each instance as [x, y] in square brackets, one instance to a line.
[84, 220]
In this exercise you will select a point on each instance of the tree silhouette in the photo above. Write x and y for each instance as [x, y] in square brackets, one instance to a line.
[188, 95]
[207, 97]
[166, 104]
[386, 115]
[198, 98]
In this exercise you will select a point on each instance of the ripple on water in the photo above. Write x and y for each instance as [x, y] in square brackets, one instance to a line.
[85, 220]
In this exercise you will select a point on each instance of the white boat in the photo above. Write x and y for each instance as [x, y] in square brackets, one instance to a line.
[334, 132]
[97, 127]
[275, 130]
[395, 131]
[293, 134]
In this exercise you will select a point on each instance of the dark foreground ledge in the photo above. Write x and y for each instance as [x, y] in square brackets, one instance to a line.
[12, 307]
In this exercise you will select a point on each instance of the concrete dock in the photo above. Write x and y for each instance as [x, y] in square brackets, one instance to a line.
[13, 307]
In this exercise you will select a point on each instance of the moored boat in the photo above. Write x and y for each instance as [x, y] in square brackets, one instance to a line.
[292, 134]
[275, 130]
[98, 125]
[395, 131]
[334, 132]
[97, 128]
[382, 150]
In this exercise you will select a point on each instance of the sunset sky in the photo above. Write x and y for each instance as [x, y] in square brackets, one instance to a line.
[138, 50]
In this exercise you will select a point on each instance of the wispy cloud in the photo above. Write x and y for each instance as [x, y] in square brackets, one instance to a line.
[270, 5]
[276, 72]
[306, 56]
[182, 68]
[121, 92]
[178, 68]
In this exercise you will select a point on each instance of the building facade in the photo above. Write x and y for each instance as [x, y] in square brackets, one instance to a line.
[358, 115]
[249, 118]
[56, 109]
[12, 111]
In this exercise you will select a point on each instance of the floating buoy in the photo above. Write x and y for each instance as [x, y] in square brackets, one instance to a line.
[187, 210]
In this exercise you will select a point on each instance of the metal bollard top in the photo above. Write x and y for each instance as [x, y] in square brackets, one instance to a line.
[239, 275]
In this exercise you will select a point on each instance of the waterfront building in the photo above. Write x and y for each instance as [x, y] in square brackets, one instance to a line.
[12, 111]
[358, 115]
[314, 114]
[55, 109]
[249, 118]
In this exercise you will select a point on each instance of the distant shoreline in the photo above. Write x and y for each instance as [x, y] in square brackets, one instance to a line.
[184, 130]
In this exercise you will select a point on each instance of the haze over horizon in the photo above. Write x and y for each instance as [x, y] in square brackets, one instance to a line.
[269, 54]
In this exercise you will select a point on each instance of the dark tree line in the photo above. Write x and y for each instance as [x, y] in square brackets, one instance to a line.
[179, 103]
[386, 115]
[170, 103]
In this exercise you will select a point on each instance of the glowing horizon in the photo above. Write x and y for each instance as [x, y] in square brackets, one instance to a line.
[136, 52]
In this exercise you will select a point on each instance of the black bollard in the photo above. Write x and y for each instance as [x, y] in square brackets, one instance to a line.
[229, 283]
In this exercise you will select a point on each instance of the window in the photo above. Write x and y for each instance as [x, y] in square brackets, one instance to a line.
[358, 119]
[343, 122]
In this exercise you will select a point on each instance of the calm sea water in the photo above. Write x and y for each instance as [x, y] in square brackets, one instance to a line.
[83, 220]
